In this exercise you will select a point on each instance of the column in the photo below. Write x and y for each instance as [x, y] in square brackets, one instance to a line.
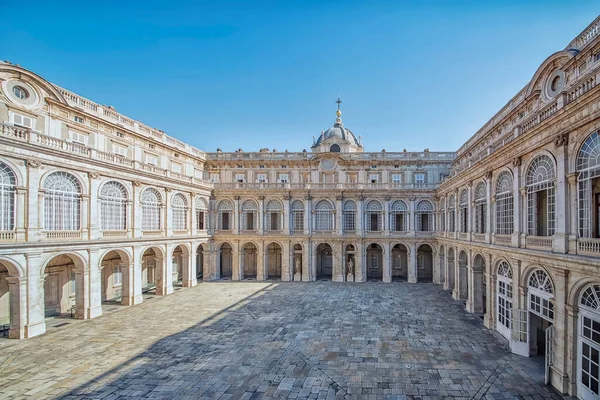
[360, 217]
[94, 288]
[307, 219]
[286, 217]
[237, 262]
[94, 207]
[411, 217]
[470, 218]
[488, 209]
[261, 214]
[561, 225]
[307, 261]
[36, 324]
[338, 215]
[17, 287]
[134, 277]
[412, 262]
[21, 213]
[286, 261]
[386, 217]
[168, 227]
[489, 319]
[136, 212]
[437, 279]
[387, 268]
[573, 210]
[558, 371]
[164, 273]
[261, 273]
[456, 272]
[193, 220]
[360, 267]
[237, 215]
[188, 266]
[338, 274]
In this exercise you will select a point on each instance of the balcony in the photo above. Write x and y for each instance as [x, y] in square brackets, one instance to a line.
[539, 242]
[588, 247]
[327, 186]
[503, 240]
[61, 235]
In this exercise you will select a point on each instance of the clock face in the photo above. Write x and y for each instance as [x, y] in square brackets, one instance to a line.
[328, 164]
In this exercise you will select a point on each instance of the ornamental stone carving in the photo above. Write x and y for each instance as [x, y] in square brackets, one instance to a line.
[33, 164]
[137, 183]
[517, 161]
[561, 140]
[94, 175]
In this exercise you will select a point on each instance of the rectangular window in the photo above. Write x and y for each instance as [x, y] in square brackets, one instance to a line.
[151, 159]
[200, 225]
[214, 178]
[225, 221]
[176, 167]
[419, 178]
[77, 137]
[121, 135]
[119, 150]
[274, 221]
[396, 178]
[23, 121]
[239, 178]
[117, 276]
[262, 178]
[283, 178]
[249, 223]
[78, 119]
[373, 178]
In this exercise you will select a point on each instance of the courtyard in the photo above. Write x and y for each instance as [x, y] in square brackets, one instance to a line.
[274, 340]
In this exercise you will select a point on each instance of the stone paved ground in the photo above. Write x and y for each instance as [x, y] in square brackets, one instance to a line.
[247, 340]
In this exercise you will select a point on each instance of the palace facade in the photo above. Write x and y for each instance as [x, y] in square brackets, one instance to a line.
[96, 207]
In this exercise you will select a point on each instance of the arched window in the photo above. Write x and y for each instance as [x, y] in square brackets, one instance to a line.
[113, 207]
[424, 216]
[463, 208]
[297, 216]
[589, 343]
[274, 215]
[480, 207]
[335, 148]
[452, 213]
[249, 216]
[349, 216]
[541, 293]
[588, 167]
[399, 216]
[504, 204]
[324, 216]
[7, 198]
[540, 196]
[151, 201]
[374, 216]
[201, 214]
[62, 202]
[224, 211]
[505, 295]
[179, 209]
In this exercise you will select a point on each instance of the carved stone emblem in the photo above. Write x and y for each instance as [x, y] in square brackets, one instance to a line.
[33, 164]
[561, 140]
[94, 175]
[516, 162]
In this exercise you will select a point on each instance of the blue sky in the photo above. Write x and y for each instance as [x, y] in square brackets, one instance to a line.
[253, 74]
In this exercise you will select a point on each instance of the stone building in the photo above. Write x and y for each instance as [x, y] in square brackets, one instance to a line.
[96, 207]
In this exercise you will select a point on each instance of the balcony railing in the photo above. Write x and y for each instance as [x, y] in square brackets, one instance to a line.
[54, 235]
[588, 246]
[7, 236]
[330, 186]
[503, 240]
[479, 237]
[538, 242]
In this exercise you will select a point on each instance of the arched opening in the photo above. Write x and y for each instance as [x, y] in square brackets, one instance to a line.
[225, 261]
[399, 262]
[463, 211]
[374, 262]
[442, 265]
[540, 178]
[349, 216]
[424, 263]
[200, 262]
[249, 216]
[274, 214]
[504, 204]
[478, 290]
[463, 276]
[451, 270]
[149, 273]
[335, 148]
[274, 261]
[324, 261]
[540, 305]
[588, 344]
[114, 275]
[60, 287]
[297, 217]
[9, 300]
[424, 216]
[249, 258]
[350, 263]
[588, 178]
[180, 266]
[374, 216]
[504, 296]
[297, 262]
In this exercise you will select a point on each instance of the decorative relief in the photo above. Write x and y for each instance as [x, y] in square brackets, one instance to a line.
[561, 140]
[33, 164]
[516, 162]
[488, 175]
[94, 175]
[168, 189]
[137, 183]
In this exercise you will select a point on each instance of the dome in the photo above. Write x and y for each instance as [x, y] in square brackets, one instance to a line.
[338, 130]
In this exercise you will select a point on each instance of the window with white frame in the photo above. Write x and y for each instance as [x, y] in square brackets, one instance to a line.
[374, 216]
[424, 216]
[240, 178]
[540, 178]
[201, 214]
[588, 180]
[62, 202]
[113, 206]
[452, 213]
[22, 120]
[274, 215]
[152, 159]
[398, 216]
[324, 216]
[396, 178]
[504, 204]
[297, 216]
[78, 137]
[283, 178]
[541, 294]
[214, 178]
[78, 119]
[505, 294]
[261, 178]
[463, 211]
[249, 216]
[179, 212]
[373, 178]
[7, 198]
[176, 167]
[419, 178]
[119, 150]
[349, 224]
[151, 202]
[589, 342]
[224, 216]
[480, 207]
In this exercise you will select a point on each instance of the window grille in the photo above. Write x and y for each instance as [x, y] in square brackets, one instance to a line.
[374, 216]
[113, 207]
[62, 202]
[424, 216]
[398, 216]
[349, 216]
[541, 293]
[249, 216]
[151, 204]
[274, 211]
[588, 167]
[590, 299]
[7, 198]
[324, 216]
[480, 207]
[540, 196]
[297, 216]
[504, 294]
[504, 204]
[463, 209]
[224, 212]
[179, 210]
[201, 214]
[452, 213]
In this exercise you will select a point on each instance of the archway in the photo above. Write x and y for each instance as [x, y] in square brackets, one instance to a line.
[297, 262]
[200, 261]
[225, 261]
[374, 262]
[324, 261]
[10, 301]
[504, 298]
[477, 297]
[442, 265]
[399, 262]
[451, 270]
[181, 266]
[60, 287]
[424, 263]
[588, 344]
[463, 276]
[249, 261]
[150, 259]
[540, 304]
[114, 276]
[274, 261]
